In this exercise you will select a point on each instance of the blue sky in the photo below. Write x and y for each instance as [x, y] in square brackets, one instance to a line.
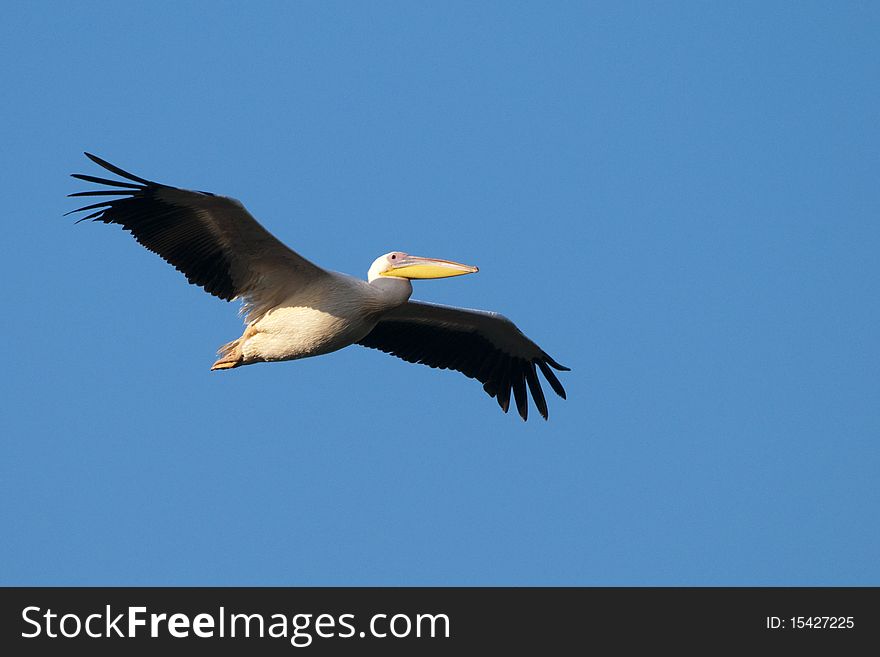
[679, 201]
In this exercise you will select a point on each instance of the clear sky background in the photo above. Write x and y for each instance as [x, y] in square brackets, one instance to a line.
[680, 201]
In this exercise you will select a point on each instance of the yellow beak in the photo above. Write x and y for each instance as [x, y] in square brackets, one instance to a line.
[418, 267]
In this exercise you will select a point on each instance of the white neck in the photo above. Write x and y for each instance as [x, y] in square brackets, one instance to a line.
[391, 290]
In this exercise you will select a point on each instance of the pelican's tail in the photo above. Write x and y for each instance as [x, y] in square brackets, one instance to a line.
[230, 356]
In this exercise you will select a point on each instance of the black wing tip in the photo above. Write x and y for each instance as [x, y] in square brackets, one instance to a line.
[72, 211]
[552, 363]
[503, 399]
[551, 378]
[126, 186]
[115, 169]
[99, 192]
[506, 392]
[122, 188]
[98, 160]
[535, 389]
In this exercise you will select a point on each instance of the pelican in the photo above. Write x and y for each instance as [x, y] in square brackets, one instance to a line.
[295, 309]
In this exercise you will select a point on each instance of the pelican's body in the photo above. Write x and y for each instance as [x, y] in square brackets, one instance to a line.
[296, 309]
[329, 314]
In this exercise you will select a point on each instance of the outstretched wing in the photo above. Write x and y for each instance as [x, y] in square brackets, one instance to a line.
[213, 240]
[481, 345]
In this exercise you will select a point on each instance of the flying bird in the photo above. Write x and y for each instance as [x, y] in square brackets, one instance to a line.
[295, 309]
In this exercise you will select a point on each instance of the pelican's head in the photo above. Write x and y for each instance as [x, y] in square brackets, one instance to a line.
[403, 265]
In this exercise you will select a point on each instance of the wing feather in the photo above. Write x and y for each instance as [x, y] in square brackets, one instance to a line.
[213, 240]
[481, 345]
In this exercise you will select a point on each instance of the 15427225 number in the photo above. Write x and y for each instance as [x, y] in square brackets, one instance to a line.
[822, 622]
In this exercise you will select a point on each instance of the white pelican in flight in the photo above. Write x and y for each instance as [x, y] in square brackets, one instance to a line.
[295, 309]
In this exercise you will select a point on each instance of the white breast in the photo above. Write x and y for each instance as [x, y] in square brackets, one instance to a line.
[316, 320]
